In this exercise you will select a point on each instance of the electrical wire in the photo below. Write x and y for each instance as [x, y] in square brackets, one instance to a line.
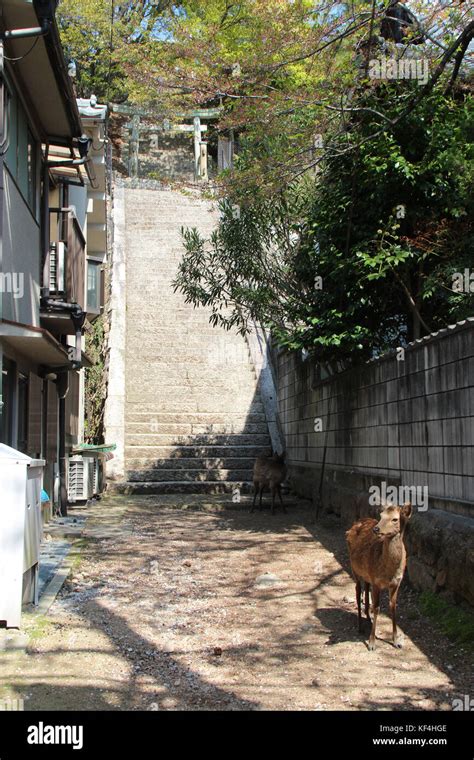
[22, 57]
[111, 46]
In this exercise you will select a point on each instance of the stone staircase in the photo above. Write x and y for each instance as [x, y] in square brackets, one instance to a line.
[194, 419]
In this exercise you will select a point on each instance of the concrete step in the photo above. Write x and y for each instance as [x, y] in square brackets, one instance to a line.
[184, 452]
[158, 439]
[151, 353]
[202, 406]
[188, 476]
[131, 488]
[191, 463]
[194, 418]
[231, 418]
[195, 429]
[225, 374]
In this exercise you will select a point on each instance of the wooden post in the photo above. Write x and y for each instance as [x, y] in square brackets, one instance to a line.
[197, 147]
[232, 145]
[203, 162]
[134, 146]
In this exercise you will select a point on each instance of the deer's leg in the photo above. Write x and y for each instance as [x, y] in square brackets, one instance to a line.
[281, 500]
[358, 593]
[376, 607]
[255, 491]
[274, 488]
[393, 591]
[367, 601]
[260, 502]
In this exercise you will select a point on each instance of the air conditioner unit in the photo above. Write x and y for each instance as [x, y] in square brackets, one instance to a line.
[95, 475]
[81, 479]
[57, 268]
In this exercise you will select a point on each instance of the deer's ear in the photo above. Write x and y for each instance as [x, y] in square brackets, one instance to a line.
[406, 510]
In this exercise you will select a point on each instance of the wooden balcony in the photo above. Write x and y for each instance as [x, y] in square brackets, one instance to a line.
[66, 268]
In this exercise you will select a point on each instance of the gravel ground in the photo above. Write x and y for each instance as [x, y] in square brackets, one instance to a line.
[180, 603]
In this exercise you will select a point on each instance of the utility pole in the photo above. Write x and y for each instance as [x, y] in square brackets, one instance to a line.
[197, 147]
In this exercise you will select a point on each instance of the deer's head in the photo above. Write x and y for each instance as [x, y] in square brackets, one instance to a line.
[392, 521]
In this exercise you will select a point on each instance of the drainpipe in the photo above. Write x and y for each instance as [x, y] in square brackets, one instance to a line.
[45, 228]
[62, 384]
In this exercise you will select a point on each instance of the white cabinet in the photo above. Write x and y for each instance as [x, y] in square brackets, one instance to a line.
[20, 531]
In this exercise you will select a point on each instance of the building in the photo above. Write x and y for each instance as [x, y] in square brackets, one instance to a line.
[52, 198]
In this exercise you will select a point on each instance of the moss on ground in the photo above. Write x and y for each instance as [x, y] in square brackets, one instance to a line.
[455, 622]
[36, 626]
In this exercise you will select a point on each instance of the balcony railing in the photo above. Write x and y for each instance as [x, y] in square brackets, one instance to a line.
[66, 268]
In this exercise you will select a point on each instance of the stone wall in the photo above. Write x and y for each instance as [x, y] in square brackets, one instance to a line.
[406, 421]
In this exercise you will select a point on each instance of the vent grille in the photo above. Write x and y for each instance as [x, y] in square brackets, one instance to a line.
[56, 267]
[76, 480]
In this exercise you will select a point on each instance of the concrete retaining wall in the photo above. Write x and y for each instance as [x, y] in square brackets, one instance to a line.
[403, 420]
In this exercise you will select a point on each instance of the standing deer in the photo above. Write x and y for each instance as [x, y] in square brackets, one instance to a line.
[269, 472]
[378, 558]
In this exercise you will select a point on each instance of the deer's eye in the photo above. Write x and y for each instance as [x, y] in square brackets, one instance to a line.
[395, 519]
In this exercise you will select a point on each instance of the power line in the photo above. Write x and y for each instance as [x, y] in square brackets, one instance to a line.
[111, 46]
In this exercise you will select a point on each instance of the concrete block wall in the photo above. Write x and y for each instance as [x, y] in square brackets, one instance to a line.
[407, 422]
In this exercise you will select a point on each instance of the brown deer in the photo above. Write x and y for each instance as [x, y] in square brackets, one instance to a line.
[378, 558]
[269, 472]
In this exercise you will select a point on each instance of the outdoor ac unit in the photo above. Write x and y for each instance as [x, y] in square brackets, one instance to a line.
[57, 267]
[81, 479]
[95, 475]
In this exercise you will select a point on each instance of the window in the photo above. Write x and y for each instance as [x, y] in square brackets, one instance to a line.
[93, 285]
[22, 155]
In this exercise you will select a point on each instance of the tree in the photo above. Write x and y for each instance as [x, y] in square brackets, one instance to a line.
[361, 257]
[99, 37]
[327, 155]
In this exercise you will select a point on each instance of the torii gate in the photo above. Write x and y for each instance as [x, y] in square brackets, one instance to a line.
[200, 146]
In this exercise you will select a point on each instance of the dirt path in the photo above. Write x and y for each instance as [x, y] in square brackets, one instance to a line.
[219, 609]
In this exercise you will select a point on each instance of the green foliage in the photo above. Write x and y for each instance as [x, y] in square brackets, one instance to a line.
[285, 73]
[384, 226]
[95, 390]
[105, 39]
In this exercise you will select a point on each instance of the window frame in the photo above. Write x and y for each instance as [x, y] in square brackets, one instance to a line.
[98, 264]
[28, 183]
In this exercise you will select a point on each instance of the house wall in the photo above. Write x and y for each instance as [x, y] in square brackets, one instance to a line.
[406, 422]
[21, 247]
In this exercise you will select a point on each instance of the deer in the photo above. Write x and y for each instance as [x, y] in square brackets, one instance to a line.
[378, 559]
[269, 472]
